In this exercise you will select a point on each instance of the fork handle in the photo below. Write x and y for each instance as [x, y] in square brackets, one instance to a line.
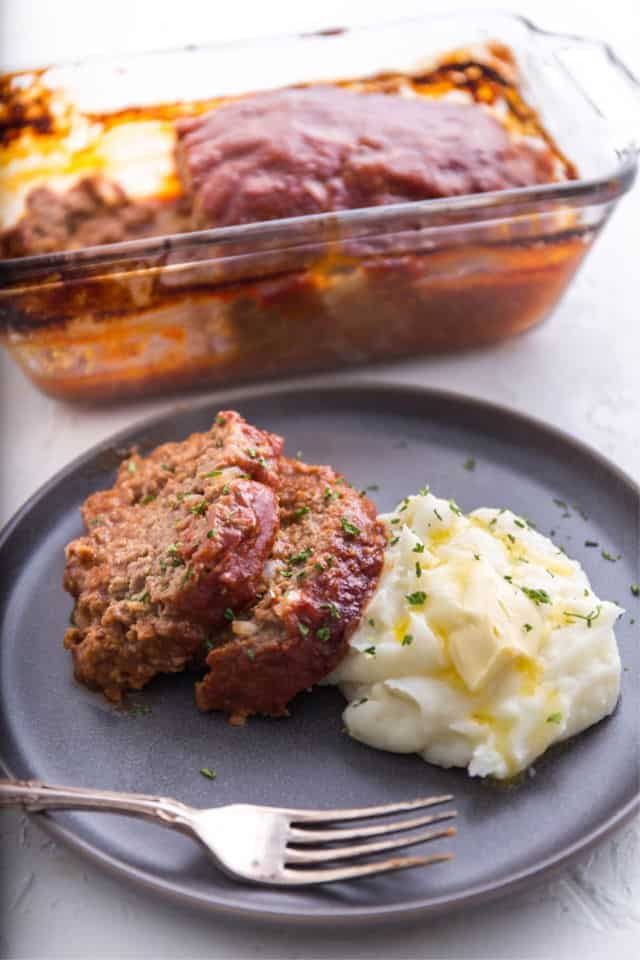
[34, 796]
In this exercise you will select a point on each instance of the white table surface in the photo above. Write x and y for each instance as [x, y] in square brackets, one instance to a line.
[578, 371]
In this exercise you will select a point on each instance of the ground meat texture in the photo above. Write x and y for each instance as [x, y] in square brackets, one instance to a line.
[179, 541]
[325, 564]
[295, 152]
[92, 212]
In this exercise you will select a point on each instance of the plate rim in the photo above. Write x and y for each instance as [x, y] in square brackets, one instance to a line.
[344, 916]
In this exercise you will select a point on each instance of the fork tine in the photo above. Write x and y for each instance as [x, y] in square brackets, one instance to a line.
[363, 849]
[362, 813]
[299, 877]
[308, 834]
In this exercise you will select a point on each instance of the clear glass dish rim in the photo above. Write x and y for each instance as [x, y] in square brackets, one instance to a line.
[484, 206]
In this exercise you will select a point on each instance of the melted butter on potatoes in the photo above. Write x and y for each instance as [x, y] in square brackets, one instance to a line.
[482, 645]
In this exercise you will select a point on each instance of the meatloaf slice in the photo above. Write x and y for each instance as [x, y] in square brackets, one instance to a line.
[179, 541]
[325, 563]
[293, 152]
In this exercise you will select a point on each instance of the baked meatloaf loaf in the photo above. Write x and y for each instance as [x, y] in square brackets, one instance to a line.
[302, 151]
[181, 538]
[219, 549]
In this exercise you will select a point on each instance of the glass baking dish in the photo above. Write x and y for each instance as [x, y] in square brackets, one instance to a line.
[216, 306]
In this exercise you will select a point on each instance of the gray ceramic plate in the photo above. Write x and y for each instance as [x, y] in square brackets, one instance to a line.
[400, 439]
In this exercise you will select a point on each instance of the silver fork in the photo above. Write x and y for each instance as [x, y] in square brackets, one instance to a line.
[270, 845]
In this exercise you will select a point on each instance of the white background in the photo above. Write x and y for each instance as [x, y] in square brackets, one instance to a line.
[579, 371]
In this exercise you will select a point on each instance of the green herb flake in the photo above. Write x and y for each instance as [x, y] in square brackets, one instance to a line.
[251, 452]
[476, 556]
[435, 510]
[301, 512]
[554, 718]
[132, 466]
[371, 651]
[324, 633]
[589, 617]
[527, 627]
[251, 654]
[608, 556]
[303, 628]
[538, 596]
[141, 597]
[419, 548]
[302, 556]
[220, 420]
[417, 598]
[229, 614]
[208, 773]
[358, 703]
[470, 463]
[453, 506]
[591, 543]
[508, 578]
[519, 523]
[418, 569]
[199, 509]
[424, 491]
[393, 541]
[211, 533]
[333, 610]
[511, 538]
[561, 503]
[407, 640]
[139, 710]
[148, 498]
[635, 589]
[226, 489]
[371, 622]
[212, 473]
[349, 528]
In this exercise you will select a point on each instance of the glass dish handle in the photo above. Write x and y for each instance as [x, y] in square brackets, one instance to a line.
[606, 82]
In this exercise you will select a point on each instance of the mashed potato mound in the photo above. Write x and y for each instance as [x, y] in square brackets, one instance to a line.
[482, 645]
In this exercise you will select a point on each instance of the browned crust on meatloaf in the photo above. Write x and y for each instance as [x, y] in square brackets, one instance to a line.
[180, 538]
[324, 566]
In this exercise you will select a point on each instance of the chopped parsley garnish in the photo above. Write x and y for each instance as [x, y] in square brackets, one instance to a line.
[199, 509]
[358, 703]
[226, 489]
[208, 645]
[139, 710]
[301, 557]
[329, 560]
[323, 633]
[229, 614]
[453, 506]
[303, 628]
[319, 567]
[527, 627]
[436, 513]
[470, 463]
[167, 466]
[418, 569]
[493, 521]
[333, 610]
[211, 533]
[608, 556]
[589, 617]
[635, 589]
[212, 473]
[419, 548]
[407, 640]
[538, 596]
[220, 420]
[251, 654]
[511, 538]
[208, 773]
[349, 527]
[591, 543]
[148, 498]
[163, 566]
[424, 491]
[554, 718]
[371, 622]
[476, 556]
[370, 650]
[417, 598]
[393, 541]
[396, 520]
[141, 597]
[132, 466]
[508, 578]
[519, 523]
[301, 512]
[561, 503]
[251, 452]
